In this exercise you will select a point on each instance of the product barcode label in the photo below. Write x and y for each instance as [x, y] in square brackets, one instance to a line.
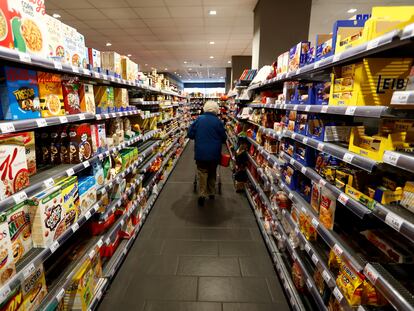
[63, 119]
[314, 259]
[371, 273]
[322, 182]
[324, 109]
[57, 65]
[41, 122]
[75, 69]
[88, 215]
[350, 111]
[7, 127]
[307, 247]
[49, 182]
[390, 157]
[373, 44]
[337, 250]
[303, 170]
[348, 157]
[70, 172]
[343, 198]
[315, 223]
[338, 295]
[82, 116]
[28, 270]
[86, 164]
[54, 246]
[308, 107]
[394, 220]
[320, 146]
[75, 227]
[326, 276]
[24, 57]
[20, 197]
[60, 294]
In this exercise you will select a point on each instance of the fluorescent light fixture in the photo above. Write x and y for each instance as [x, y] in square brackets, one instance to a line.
[211, 57]
[212, 12]
[221, 77]
[146, 64]
[165, 68]
[190, 69]
[352, 10]
[108, 43]
[129, 55]
[212, 42]
[229, 62]
[56, 15]
[185, 62]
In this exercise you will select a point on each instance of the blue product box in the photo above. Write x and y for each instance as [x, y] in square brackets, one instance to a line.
[310, 56]
[19, 94]
[304, 95]
[321, 93]
[304, 187]
[323, 46]
[301, 123]
[297, 55]
[305, 154]
[288, 147]
[289, 176]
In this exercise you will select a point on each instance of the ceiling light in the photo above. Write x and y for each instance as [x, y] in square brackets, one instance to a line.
[221, 77]
[352, 10]
[165, 68]
[56, 15]
[212, 42]
[212, 12]
[146, 64]
[211, 57]
[190, 69]
[108, 43]
[229, 62]
[185, 62]
[129, 55]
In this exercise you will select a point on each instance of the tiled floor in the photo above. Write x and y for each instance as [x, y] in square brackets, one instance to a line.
[189, 258]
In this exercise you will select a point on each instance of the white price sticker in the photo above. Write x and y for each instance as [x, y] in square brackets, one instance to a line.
[326, 276]
[28, 270]
[290, 195]
[394, 221]
[309, 283]
[54, 246]
[343, 198]
[60, 294]
[297, 231]
[41, 122]
[337, 57]
[305, 140]
[338, 295]
[82, 117]
[320, 146]
[75, 69]
[295, 107]
[400, 97]
[293, 135]
[49, 182]
[314, 259]
[63, 119]
[5, 292]
[75, 227]
[105, 77]
[292, 161]
[106, 115]
[348, 157]
[307, 247]
[390, 157]
[303, 170]
[7, 127]
[337, 250]
[322, 182]
[57, 65]
[100, 156]
[315, 223]
[20, 197]
[24, 57]
[373, 44]
[86, 164]
[324, 109]
[88, 215]
[317, 64]
[92, 254]
[304, 211]
[86, 71]
[100, 243]
[350, 111]
[70, 172]
[96, 74]
[371, 273]
[308, 107]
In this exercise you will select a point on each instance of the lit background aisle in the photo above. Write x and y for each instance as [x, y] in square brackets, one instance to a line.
[192, 258]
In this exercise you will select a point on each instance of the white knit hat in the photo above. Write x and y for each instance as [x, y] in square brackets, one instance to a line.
[211, 106]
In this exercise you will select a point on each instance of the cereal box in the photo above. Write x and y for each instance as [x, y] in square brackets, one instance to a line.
[47, 217]
[104, 99]
[94, 58]
[70, 45]
[81, 51]
[7, 266]
[297, 55]
[98, 137]
[34, 289]
[120, 99]
[19, 95]
[80, 143]
[70, 195]
[110, 99]
[71, 98]
[18, 219]
[87, 193]
[13, 166]
[6, 32]
[29, 30]
[87, 98]
[55, 37]
[112, 61]
[51, 96]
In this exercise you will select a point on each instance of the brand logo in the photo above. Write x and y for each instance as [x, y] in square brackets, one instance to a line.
[385, 84]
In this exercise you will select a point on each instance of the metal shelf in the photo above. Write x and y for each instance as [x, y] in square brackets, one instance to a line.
[401, 160]
[104, 116]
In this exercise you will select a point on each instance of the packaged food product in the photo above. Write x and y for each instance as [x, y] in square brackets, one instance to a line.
[87, 98]
[315, 196]
[34, 289]
[98, 137]
[98, 173]
[69, 44]
[87, 193]
[120, 99]
[104, 99]
[14, 173]
[350, 284]
[70, 195]
[70, 87]
[51, 96]
[111, 61]
[297, 55]
[55, 38]
[80, 143]
[64, 144]
[297, 277]
[19, 95]
[18, 219]
[7, 266]
[408, 196]
[327, 208]
[370, 295]
[47, 217]
[6, 32]
[94, 58]
[80, 57]
[14, 301]
[55, 146]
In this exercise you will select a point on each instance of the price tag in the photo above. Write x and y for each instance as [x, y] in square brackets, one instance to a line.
[100, 243]
[293, 135]
[86, 71]
[314, 259]
[371, 273]
[348, 157]
[75, 69]
[400, 97]
[7, 127]
[308, 107]
[107, 241]
[290, 195]
[49, 182]
[82, 117]
[309, 283]
[320, 146]
[112, 78]
[317, 64]
[350, 111]
[343, 198]
[322, 182]
[63, 119]
[326, 276]
[324, 109]
[57, 65]
[338, 295]
[75, 227]
[20, 197]
[373, 44]
[292, 161]
[28, 270]
[390, 157]
[297, 231]
[394, 221]
[295, 107]
[54, 246]
[337, 57]
[60, 294]
[88, 215]
[106, 115]
[303, 170]
[24, 57]
[70, 172]
[305, 140]
[96, 74]
[105, 77]
[315, 223]
[86, 164]
[91, 254]
[304, 211]
[337, 250]
[41, 122]
[307, 247]
[100, 156]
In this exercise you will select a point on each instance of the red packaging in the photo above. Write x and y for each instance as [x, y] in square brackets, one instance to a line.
[80, 143]
[6, 16]
[71, 98]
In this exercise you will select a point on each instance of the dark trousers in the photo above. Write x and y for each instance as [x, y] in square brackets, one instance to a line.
[206, 172]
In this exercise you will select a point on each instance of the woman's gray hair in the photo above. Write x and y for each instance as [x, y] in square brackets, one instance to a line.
[211, 106]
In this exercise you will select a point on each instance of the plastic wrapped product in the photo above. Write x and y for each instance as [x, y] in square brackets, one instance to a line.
[327, 208]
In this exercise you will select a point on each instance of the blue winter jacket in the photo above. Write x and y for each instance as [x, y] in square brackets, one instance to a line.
[209, 134]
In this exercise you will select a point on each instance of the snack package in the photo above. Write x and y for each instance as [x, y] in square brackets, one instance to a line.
[350, 284]
[55, 38]
[80, 293]
[327, 208]
[70, 45]
[87, 98]
[370, 295]
[64, 144]
[315, 196]
[47, 217]
[102, 99]
[71, 98]
[6, 36]
[70, 195]
[34, 289]
[51, 96]
[55, 146]
[80, 143]
[120, 99]
[98, 173]
[7, 267]
[98, 137]
[94, 58]
[297, 277]
[18, 219]
[87, 193]
[19, 94]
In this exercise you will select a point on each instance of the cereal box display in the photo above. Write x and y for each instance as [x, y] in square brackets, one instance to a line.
[14, 173]
[80, 143]
[51, 96]
[70, 195]
[47, 217]
[87, 98]
[19, 94]
[87, 193]
[18, 219]
[55, 38]
[29, 28]
[71, 98]
[7, 266]
[6, 33]
[104, 99]
[34, 289]
[69, 45]
[111, 98]
[94, 58]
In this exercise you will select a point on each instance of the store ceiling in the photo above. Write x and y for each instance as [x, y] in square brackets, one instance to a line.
[165, 33]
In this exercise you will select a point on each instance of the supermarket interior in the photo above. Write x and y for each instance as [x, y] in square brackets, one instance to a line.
[207, 155]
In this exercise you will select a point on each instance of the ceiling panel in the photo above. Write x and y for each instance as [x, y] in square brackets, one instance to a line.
[130, 23]
[186, 11]
[109, 3]
[159, 22]
[152, 12]
[119, 13]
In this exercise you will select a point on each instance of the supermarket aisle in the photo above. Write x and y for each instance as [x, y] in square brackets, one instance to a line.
[192, 258]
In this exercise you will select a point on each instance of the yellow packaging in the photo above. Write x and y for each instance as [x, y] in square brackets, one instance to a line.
[79, 295]
[70, 194]
[351, 285]
[120, 99]
[50, 94]
[34, 289]
[359, 196]
[408, 196]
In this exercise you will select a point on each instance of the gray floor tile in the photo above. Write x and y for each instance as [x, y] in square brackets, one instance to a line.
[208, 266]
[242, 248]
[256, 234]
[225, 234]
[176, 233]
[193, 248]
[254, 307]
[147, 247]
[181, 306]
[154, 265]
[126, 304]
[256, 266]
[231, 289]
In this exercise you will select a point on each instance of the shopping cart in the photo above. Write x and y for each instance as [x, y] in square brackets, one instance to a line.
[218, 179]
